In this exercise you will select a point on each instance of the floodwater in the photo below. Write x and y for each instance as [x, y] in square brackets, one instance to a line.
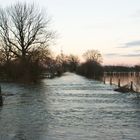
[125, 79]
[70, 107]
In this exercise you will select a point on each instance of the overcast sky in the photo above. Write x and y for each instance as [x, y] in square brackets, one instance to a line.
[111, 26]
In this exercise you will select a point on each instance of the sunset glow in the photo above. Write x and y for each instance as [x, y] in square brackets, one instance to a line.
[111, 26]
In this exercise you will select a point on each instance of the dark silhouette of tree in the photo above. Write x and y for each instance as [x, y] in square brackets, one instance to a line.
[73, 62]
[67, 62]
[91, 68]
[22, 28]
[25, 36]
[118, 68]
[93, 55]
[137, 68]
[61, 62]
[5, 55]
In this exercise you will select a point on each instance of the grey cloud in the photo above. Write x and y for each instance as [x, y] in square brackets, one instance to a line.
[122, 55]
[136, 14]
[131, 44]
[112, 54]
[130, 55]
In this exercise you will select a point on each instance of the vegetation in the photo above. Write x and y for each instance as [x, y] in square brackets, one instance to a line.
[92, 67]
[93, 55]
[122, 68]
[67, 62]
[25, 37]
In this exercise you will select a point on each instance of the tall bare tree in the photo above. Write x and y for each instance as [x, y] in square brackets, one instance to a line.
[23, 28]
[93, 55]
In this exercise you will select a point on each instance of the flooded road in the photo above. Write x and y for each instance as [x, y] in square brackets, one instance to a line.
[70, 107]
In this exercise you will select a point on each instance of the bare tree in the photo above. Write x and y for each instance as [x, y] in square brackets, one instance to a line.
[73, 62]
[73, 59]
[41, 55]
[22, 28]
[5, 54]
[93, 55]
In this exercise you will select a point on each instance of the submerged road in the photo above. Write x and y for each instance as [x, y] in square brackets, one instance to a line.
[70, 107]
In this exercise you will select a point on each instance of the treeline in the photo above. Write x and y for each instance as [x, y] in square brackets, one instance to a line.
[92, 67]
[118, 68]
[25, 37]
[42, 61]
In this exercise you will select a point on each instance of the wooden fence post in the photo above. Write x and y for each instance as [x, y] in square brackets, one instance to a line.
[119, 83]
[131, 86]
[110, 80]
[104, 79]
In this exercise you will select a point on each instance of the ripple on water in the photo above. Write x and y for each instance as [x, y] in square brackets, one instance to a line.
[70, 107]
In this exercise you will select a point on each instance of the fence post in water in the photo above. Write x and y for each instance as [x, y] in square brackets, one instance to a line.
[110, 80]
[1, 99]
[104, 79]
[131, 86]
[119, 83]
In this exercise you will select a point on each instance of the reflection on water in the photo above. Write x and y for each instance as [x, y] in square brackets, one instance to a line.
[125, 78]
[68, 108]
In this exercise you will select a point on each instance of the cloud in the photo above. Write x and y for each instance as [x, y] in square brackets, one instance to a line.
[130, 44]
[137, 51]
[111, 54]
[122, 55]
[136, 14]
[133, 43]
[130, 55]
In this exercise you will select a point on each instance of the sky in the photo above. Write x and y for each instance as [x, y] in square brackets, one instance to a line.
[110, 26]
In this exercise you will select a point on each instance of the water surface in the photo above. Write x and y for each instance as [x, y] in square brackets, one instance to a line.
[70, 107]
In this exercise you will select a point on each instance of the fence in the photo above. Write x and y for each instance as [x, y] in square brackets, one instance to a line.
[127, 79]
